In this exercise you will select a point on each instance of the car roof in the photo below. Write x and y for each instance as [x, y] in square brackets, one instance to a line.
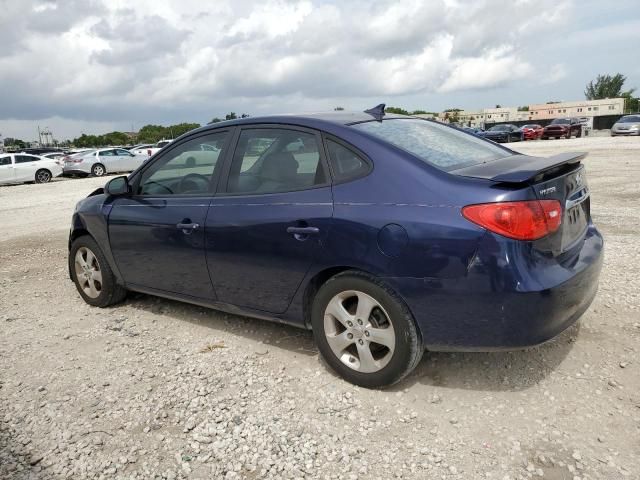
[312, 120]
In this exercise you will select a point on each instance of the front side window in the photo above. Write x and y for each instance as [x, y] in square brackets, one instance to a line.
[187, 169]
[123, 153]
[345, 163]
[274, 160]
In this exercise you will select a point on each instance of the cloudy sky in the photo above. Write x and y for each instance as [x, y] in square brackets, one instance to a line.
[93, 66]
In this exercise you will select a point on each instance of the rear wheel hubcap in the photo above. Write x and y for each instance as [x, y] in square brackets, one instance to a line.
[359, 332]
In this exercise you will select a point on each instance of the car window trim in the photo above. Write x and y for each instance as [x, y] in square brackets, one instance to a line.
[224, 177]
[136, 176]
[352, 148]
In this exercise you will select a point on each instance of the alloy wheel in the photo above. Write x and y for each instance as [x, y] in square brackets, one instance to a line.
[98, 170]
[43, 176]
[88, 272]
[359, 332]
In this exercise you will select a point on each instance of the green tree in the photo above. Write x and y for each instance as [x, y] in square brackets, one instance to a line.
[230, 116]
[215, 120]
[14, 143]
[524, 108]
[607, 86]
[397, 110]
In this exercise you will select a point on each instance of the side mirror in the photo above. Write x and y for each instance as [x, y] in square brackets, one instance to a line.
[117, 186]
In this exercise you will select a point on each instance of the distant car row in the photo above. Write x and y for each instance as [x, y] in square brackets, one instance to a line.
[507, 132]
[558, 128]
[42, 167]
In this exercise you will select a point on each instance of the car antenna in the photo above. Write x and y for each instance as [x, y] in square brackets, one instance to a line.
[377, 112]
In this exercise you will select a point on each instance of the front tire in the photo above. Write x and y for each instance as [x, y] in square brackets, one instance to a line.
[92, 275]
[98, 170]
[43, 176]
[364, 330]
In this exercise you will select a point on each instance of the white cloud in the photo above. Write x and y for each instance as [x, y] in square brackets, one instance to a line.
[164, 60]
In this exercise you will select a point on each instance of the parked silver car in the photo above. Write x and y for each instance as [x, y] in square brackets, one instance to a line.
[627, 125]
[102, 161]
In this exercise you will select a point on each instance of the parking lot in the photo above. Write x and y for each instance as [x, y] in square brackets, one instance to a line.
[155, 388]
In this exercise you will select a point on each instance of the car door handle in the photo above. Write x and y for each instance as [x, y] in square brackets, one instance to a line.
[187, 227]
[303, 230]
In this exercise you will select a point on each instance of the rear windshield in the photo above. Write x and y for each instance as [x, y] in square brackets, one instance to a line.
[435, 144]
[630, 119]
[560, 121]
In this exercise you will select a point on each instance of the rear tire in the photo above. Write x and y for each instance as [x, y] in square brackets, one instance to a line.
[98, 170]
[568, 136]
[349, 313]
[92, 274]
[43, 176]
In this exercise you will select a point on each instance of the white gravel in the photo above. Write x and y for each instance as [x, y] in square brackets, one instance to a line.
[157, 389]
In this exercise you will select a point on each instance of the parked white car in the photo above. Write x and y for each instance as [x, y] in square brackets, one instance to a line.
[627, 125]
[102, 161]
[149, 150]
[22, 167]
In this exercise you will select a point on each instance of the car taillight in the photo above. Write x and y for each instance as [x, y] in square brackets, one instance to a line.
[525, 220]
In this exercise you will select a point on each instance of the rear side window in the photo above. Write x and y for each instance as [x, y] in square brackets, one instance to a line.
[345, 163]
[438, 145]
[272, 160]
[5, 160]
[25, 158]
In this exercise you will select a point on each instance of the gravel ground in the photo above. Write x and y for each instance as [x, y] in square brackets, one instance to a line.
[158, 389]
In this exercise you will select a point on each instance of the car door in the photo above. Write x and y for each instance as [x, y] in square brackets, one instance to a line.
[157, 232]
[266, 226]
[127, 162]
[7, 174]
[109, 159]
[25, 167]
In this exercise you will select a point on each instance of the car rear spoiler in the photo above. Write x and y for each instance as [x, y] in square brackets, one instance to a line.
[519, 168]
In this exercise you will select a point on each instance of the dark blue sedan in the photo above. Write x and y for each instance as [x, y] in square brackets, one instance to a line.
[385, 234]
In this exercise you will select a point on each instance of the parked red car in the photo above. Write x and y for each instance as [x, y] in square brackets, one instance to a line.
[563, 127]
[532, 132]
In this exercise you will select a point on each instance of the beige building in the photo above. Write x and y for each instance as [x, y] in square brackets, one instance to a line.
[584, 108]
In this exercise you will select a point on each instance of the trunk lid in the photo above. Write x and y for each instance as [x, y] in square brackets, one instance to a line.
[561, 177]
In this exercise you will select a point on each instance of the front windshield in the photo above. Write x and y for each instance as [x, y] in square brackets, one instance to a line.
[436, 144]
[560, 121]
[630, 119]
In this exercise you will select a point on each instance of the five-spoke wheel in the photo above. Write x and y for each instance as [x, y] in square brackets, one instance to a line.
[364, 330]
[88, 272]
[92, 274]
[358, 331]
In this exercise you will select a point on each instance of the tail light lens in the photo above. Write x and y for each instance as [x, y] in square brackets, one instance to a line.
[526, 220]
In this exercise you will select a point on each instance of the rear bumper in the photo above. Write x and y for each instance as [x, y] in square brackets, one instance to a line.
[510, 299]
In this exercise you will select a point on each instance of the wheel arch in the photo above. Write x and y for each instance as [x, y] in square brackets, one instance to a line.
[323, 276]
